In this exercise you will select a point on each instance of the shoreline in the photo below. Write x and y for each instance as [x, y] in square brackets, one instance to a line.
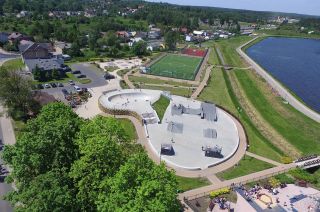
[284, 92]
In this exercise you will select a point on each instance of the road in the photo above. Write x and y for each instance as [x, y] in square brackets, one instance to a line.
[283, 92]
[4, 188]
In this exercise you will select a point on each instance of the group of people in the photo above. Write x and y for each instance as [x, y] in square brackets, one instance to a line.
[221, 201]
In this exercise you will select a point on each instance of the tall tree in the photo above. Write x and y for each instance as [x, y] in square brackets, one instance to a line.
[140, 185]
[170, 39]
[103, 147]
[15, 93]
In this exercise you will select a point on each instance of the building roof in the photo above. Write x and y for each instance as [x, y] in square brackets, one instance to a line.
[44, 64]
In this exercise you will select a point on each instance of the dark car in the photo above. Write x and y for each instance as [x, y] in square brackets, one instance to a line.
[81, 76]
[40, 86]
[108, 76]
[76, 72]
[65, 92]
[60, 84]
[54, 85]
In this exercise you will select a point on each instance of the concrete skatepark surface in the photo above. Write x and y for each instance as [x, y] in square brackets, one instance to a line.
[186, 142]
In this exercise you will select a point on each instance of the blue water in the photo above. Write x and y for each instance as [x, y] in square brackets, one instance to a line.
[295, 62]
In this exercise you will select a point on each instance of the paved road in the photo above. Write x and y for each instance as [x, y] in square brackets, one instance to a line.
[4, 188]
[278, 87]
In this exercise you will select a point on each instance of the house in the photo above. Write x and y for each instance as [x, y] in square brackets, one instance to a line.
[184, 30]
[4, 37]
[60, 46]
[189, 38]
[24, 44]
[134, 40]
[154, 35]
[142, 35]
[155, 45]
[122, 34]
[40, 55]
[37, 51]
[17, 37]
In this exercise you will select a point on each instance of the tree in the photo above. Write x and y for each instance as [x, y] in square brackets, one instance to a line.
[103, 146]
[140, 185]
[47, 142]
[140, 48]
[170, 39]
[15, 93]
[37, 74]
[55, 74]
[51, 191]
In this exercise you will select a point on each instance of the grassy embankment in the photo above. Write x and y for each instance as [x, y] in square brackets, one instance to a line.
[299, 130]
[14, 64]
[129, 128]
[246, 166]
[161, 106]
[219, 91]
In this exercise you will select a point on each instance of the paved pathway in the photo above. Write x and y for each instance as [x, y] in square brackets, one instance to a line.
[203, 84]
[263, 159]
[278, 87]
[199, 192]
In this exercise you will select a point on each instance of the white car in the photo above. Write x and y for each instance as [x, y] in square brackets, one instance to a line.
[78, 89]
[47, 86]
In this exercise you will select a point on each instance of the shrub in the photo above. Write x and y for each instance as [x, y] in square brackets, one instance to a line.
[301, 174]
[274, 182]
[283, 178]
[219, 192]
[286, 160]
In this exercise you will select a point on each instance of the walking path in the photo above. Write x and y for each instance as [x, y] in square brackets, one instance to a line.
[278, 87]
[7, 128]
[203, 191]
[203, 84]
[263, 159]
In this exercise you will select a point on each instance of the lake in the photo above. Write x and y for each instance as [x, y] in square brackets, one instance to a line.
[295, 62]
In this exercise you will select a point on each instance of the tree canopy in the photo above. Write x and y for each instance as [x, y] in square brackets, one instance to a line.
[64, 163]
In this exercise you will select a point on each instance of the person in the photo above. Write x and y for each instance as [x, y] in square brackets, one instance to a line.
[285, 204]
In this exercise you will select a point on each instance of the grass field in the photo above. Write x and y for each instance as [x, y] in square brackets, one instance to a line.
[185, 184]
[161, 106]
[176, 66]
[246, 166]
[129, 128]
[299, 130]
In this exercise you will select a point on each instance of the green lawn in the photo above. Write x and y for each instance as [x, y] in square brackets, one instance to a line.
[246, 166]
[219, 91]
[161, 106]
[299, 130]
[146, 80]
[185, 184]
[173, 90]
[14, 64]
[176, 66]
[129, 128]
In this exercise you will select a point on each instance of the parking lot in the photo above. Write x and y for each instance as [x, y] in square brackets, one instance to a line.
[91, 72]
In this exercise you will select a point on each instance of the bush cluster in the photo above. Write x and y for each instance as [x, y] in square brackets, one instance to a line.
[219, 192]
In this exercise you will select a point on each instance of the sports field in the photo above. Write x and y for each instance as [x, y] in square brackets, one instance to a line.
[176, 66]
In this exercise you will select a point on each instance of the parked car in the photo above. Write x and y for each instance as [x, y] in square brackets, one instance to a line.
[47, 86]
[81, 76]
[108, 76]
[71, 82]
[54, 85]
[65, 92]
[76, 72]
[40, 86]
[85, 89]
[60, 84]
[77, 88]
